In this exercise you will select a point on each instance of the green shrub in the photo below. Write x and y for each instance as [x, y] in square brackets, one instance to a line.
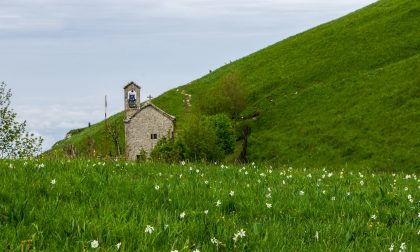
[225, 131]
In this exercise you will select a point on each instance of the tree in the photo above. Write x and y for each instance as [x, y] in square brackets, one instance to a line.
[228, 97]
[201, 141]
[15, 141]
[225, 131]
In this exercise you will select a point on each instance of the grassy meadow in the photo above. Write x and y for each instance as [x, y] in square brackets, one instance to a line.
[110, 206]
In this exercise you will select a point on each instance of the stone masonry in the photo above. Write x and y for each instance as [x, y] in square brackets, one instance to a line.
[144, 124]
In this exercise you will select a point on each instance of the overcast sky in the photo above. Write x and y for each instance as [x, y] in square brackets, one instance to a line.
[61, 57]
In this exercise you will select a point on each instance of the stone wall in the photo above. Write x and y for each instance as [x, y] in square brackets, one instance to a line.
[138, 131]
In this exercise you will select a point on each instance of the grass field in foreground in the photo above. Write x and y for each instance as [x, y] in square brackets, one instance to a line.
[97, 206]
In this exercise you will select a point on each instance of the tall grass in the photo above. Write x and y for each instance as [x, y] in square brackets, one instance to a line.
[67, 205]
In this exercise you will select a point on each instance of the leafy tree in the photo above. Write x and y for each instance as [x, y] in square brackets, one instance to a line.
[169, 151]
[225, 131]
[15, 142]
[229, 97]
[201, 141]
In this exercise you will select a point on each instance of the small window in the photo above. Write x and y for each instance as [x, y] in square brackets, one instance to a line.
[153, 136]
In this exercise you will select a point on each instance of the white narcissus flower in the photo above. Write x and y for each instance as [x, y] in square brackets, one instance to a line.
[403, 247]
[182, 215]
[149, 229]
[94, 244]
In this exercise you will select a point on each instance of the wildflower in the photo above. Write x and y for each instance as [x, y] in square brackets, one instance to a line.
[197, 171]
[284, 182]
[348, 193]
[406, 189]
[269, 189]
[247, 185]
[196, 250]
[182, 162]
[160, 174]
[149, 229]
[11, 166]
[301, 193]
[218, 203]
[206, 211]
[215, 241]
[118, 245]
[206, 182]
[333, 198]
[268, 195]
[182, 215]
[373, 216]
[403, 247]
[410, 198]
[362, 182]
[157, 187]
[246, 172]
[418, 215]
[391, 248]
[330, 174]
[262, 174]
[269, 205]
[316, 236]
[309, 175]
[94, 244]
[239, 234]
[166, 226]
[174, 250]
[323, 191]
[53, 182]
[232, 193]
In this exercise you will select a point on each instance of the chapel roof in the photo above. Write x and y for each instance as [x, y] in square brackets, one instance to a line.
[131, 83]
[150, 104]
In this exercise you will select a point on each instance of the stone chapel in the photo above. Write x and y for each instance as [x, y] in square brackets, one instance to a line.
[144, 123]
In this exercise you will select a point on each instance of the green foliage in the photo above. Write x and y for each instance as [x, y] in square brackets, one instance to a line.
[225, 131]
[142, 156]
[201, 141]
[15, 141]
[229, 96]
[169, 151]
[64, 206]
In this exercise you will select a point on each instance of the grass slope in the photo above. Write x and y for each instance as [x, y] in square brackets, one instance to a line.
[65, 206]
[344, 92]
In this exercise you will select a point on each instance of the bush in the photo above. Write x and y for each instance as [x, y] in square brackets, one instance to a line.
[228, 97]
[225, 131]
[168, 151]
[201, 141]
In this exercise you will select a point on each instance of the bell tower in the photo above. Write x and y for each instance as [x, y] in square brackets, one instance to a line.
[131, 99]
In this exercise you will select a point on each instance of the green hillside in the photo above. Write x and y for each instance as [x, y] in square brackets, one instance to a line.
[346, 92]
